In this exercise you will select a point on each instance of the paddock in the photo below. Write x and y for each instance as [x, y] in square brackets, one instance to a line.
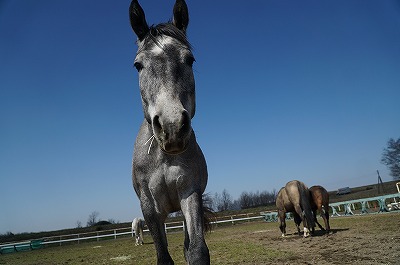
[360, 239]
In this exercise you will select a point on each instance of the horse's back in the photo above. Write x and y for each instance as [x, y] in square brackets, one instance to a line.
[296, 190]
[280, 199]
[283, 202]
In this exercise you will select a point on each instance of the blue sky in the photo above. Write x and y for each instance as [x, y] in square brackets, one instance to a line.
[285, 90]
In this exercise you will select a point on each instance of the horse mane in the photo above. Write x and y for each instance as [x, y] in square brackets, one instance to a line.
[165, 29]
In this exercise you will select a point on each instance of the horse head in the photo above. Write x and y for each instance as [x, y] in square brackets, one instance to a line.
[164, 62]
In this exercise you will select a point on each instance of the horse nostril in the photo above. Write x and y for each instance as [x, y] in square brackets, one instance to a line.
[157, 125]
[186, 122]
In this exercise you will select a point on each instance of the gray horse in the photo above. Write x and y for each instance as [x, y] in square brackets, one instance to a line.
[169, 171]
[137, 229]
[295, 198]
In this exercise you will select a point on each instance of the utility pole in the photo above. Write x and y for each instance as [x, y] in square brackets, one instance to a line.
[380, 184]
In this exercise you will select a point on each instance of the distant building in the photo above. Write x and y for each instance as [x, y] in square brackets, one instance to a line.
[343, 191]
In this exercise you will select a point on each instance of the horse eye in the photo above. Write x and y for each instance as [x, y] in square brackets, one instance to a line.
[138, 66]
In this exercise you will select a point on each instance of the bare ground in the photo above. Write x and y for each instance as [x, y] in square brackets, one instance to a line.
[369, 239]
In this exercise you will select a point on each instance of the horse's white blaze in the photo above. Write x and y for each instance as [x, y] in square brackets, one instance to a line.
[165, 100]
[163, 42]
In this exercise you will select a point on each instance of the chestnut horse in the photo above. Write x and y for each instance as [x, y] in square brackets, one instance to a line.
[319, 200]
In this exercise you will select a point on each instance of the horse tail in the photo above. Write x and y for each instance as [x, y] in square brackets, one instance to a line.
[305, 204]
[208, 218]
[208, 213]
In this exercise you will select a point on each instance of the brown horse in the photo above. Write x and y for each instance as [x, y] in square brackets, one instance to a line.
[295, 198]
[319, 200]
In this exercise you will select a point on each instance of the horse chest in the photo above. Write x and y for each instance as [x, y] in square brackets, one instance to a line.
[165, 176]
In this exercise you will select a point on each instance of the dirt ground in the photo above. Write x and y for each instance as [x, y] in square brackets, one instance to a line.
[369, 239]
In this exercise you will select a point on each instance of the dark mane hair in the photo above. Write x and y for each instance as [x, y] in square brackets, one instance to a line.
[166, 29]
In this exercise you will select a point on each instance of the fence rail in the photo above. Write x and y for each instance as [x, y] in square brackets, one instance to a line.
[29, 244]
[364, 204]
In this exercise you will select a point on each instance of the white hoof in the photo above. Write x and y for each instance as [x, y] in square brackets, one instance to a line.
[306, 232]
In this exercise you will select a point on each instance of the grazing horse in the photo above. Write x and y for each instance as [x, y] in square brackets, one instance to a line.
[137, 228]
[169, 171]
[295, 198]
[319, 200]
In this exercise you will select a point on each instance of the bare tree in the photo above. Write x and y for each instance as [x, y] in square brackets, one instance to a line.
[245, 200]
[226, 200]
[93, 218]
[391, 157]
[222, 202]
[255, 199]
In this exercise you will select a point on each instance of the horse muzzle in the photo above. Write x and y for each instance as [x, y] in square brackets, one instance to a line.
[172, 133]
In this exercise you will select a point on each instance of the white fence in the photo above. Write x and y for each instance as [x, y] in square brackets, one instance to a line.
[114, 233]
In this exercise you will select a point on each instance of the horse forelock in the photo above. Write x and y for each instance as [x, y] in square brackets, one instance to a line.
[156, 32]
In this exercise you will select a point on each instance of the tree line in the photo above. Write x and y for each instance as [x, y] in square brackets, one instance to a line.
[224, 202]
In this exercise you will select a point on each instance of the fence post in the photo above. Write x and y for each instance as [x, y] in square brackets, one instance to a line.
[97, 236]
[115, 234]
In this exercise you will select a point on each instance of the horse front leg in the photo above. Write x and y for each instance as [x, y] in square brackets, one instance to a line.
[155, 223]
[196, 250]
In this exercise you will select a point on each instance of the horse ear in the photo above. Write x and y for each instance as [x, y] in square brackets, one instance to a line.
[181, 15]
[138, 19]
